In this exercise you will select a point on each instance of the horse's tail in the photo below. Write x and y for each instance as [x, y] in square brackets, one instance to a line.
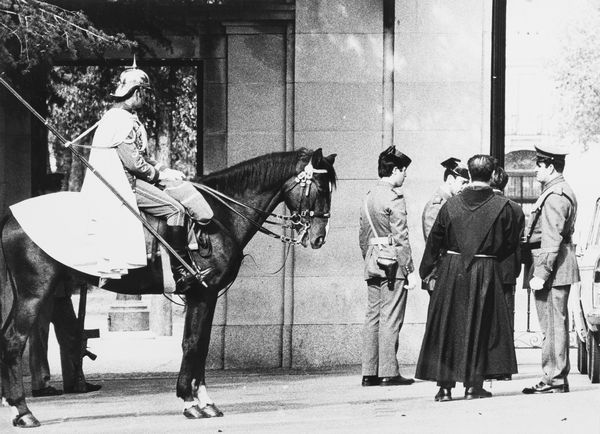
[9, 281]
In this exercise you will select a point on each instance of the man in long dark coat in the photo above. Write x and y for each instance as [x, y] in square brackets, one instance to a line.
[468, 336]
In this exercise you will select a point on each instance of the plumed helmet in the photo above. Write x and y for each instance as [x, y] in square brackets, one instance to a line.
[131, 79]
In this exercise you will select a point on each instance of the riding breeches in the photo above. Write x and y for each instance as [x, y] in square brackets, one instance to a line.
[156, 202]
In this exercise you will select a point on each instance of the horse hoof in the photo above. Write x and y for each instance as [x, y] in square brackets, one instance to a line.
[26, 420]
[194, 412]
[212, 411]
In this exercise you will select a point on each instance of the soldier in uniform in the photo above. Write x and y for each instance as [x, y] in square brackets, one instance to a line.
[121, 130]
[383, 225]
[58, 309]
[554, 266]
[456, 176]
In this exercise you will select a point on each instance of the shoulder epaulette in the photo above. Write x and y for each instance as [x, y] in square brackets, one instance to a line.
[558, 190]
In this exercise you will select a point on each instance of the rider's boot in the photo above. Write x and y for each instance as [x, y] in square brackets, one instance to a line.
[184, 280]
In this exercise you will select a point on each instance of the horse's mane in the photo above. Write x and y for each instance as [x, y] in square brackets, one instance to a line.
[260, 172]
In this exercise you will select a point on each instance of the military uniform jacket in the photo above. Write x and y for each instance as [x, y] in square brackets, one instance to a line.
[432, 209]
[387, 209]
[554, 261]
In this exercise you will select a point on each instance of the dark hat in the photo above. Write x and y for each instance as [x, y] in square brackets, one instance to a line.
[452, 165]
[392, 154]
[548, 153]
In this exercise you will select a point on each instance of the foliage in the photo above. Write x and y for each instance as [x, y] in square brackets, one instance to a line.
[35, 32]
[77, 98]
[80, 95]
[578, 78]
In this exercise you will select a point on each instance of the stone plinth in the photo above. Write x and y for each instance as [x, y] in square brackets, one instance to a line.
[129, 313]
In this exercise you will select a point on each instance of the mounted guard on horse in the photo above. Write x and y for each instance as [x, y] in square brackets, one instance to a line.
[42, 249]
[119, 152]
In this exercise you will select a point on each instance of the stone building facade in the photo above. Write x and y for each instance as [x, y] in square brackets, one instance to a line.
[279, 75]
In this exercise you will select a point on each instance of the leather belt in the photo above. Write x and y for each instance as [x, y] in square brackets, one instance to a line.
[378, 241]
[538, 244]
[452, 252]
[532, 246]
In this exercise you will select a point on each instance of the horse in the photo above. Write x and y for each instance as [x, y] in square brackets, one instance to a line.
[302, 179]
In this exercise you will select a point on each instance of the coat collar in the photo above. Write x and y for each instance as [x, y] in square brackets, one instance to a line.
[560, 178]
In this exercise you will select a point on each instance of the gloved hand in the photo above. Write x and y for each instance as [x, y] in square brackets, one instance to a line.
[170, 175]
[536, 284]
[411, 281]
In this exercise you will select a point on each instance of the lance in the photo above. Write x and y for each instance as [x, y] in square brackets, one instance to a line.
[198, 274]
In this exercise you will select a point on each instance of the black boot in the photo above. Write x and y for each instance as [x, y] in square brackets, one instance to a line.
[184, 280]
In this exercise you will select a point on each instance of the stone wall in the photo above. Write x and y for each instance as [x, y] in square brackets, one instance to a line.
[310, 314]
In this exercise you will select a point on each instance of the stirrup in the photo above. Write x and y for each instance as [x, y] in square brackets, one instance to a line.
[188, 279]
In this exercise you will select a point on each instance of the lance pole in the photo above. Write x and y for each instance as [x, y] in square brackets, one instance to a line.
[199, 274]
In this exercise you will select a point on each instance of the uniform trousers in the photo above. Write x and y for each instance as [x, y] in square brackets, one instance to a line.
[553, 315]
[156, 202]
[383, 320]
[59, 311]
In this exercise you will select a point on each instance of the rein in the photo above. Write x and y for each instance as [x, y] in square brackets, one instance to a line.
[299, 218]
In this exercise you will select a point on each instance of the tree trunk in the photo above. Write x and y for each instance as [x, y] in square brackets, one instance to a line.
[164, 118]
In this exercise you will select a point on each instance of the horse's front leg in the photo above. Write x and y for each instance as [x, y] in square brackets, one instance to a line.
[196, 337]
[206, 404]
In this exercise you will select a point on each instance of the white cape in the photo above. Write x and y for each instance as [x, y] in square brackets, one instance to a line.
[62, 226]
[91, 231]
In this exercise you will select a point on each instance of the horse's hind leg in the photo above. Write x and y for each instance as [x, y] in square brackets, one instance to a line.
[13, 345]
[35, 275]
[196, 337]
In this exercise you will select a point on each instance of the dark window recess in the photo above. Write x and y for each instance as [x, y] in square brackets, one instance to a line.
[523, 188]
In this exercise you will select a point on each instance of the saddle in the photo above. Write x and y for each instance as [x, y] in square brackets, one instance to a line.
[155, 277]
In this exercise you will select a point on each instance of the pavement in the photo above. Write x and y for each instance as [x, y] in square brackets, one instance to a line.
[138, 396]
[317, 401]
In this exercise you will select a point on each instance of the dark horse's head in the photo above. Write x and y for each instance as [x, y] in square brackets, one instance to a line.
[308, 196]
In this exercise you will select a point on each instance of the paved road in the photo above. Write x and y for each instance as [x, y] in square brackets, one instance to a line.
[327, 401]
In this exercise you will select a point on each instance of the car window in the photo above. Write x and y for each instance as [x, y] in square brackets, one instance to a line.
[594, 239]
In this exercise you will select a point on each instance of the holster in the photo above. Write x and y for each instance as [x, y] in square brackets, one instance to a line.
[526, 256]
[527, 260]
[390, 268]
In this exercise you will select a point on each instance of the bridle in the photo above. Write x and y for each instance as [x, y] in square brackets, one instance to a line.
[299, 220]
